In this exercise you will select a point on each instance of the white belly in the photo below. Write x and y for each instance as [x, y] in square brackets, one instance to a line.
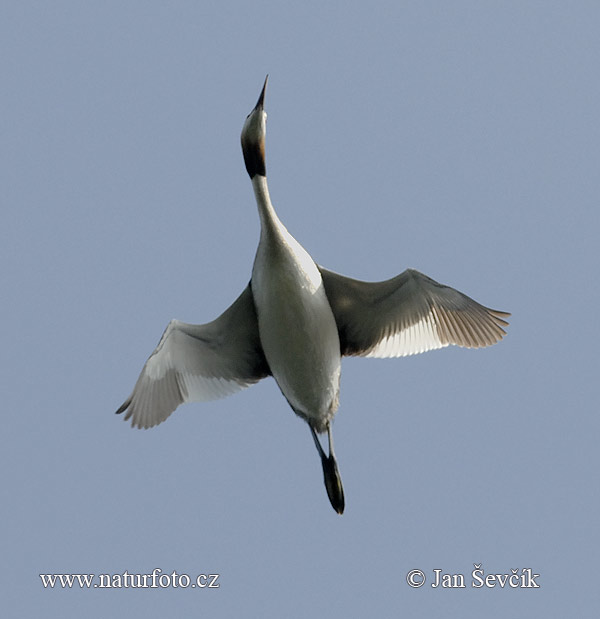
[298, 331]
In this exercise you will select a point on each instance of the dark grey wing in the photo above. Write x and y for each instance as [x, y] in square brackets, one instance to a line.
[408, 314]
[199, 362]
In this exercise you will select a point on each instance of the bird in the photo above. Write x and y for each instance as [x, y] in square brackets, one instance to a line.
[294, 321]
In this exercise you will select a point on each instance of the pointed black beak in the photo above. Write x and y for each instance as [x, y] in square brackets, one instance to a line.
[260, 104]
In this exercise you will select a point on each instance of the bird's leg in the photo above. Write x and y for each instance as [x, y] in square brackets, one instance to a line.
[317, 443]
[331, 474]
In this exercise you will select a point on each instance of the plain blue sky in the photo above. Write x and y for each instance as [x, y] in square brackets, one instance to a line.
[458, 138]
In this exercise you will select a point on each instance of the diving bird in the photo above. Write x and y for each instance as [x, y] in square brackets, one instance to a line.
[294, 321]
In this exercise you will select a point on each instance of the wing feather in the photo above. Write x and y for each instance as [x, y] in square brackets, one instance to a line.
[198, 362]
[406, 315]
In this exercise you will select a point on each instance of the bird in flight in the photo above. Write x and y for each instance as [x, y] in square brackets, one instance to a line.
[295, 321]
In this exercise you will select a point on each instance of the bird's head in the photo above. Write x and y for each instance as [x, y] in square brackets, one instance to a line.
[253, 137]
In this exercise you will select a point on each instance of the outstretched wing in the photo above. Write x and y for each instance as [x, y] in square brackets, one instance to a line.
[199, 362]
[406, 315]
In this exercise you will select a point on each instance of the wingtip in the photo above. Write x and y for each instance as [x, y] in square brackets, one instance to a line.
[501, 317]
[123, 407]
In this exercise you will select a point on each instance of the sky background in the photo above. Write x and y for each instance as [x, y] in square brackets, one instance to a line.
[461, 139]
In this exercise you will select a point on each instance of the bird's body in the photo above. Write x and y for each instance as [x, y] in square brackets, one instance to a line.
[297, 329]
[294, 321]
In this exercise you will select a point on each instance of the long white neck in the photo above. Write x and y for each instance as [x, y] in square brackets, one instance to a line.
[270, 224]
